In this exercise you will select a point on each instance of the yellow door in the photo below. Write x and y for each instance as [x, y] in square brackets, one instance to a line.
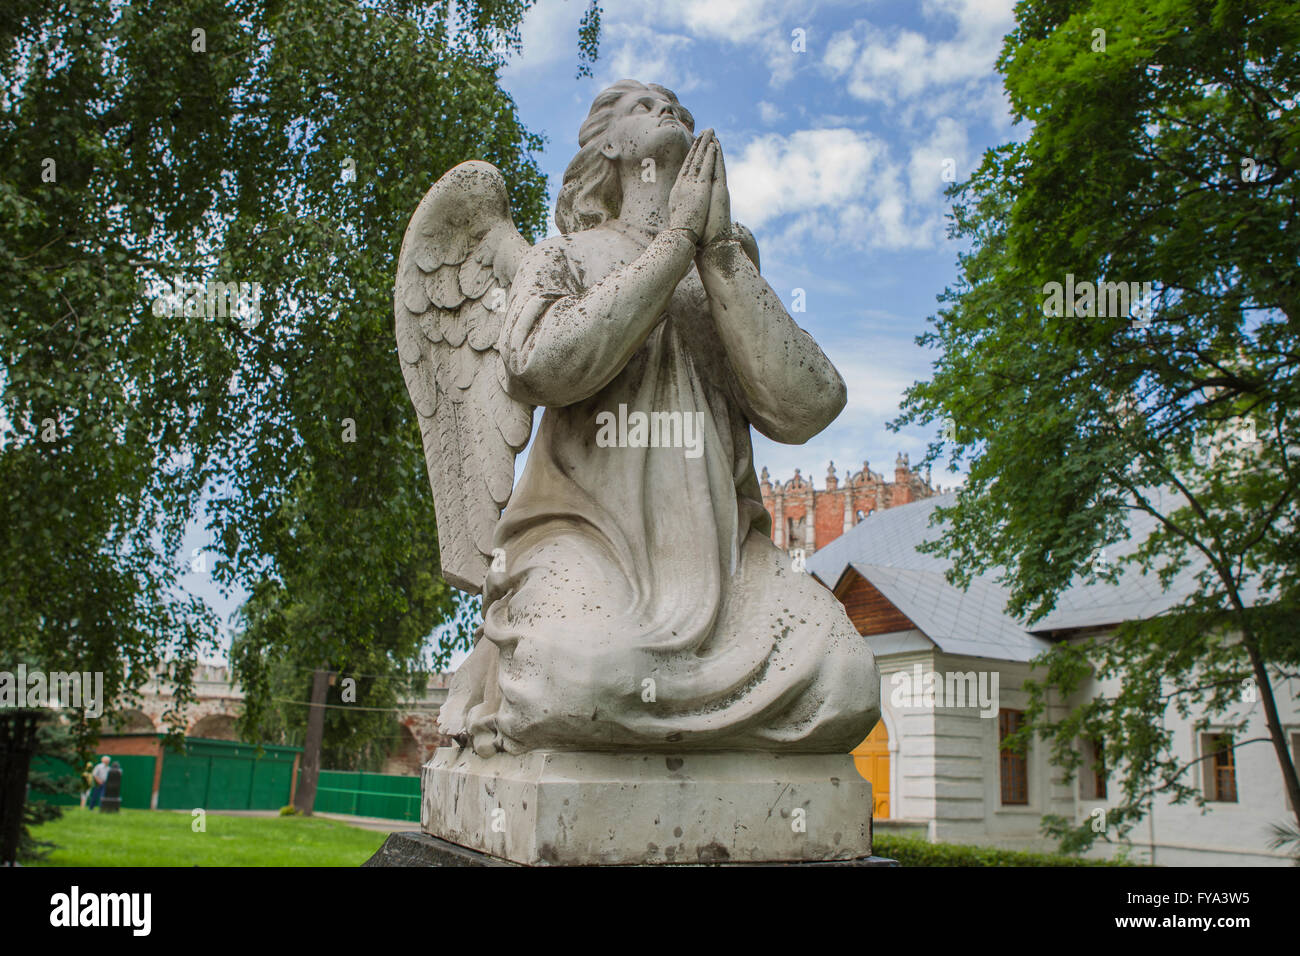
[871, 757]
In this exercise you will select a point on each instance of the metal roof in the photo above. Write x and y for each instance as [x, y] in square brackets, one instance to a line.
[882, 548]
[971, 622]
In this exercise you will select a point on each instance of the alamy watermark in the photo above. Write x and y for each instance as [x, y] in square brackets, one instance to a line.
[1087, 300]
[929, 689]
[651, 430]
[36, 688]
[75, 909]
[210, 299]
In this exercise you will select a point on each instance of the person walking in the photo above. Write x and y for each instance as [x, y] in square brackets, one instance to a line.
[100, 775]
[87, 782]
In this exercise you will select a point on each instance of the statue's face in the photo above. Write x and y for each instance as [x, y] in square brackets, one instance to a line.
[647, 124]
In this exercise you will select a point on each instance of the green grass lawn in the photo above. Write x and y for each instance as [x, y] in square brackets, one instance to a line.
[165, 838]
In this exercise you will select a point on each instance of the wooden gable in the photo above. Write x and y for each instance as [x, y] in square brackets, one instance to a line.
[868, 609]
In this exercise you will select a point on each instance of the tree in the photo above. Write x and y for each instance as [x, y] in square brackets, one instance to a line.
[106, 411]
[279, 145]
[56, 746]
[324, 512]
[281, 639]
[1164, 149]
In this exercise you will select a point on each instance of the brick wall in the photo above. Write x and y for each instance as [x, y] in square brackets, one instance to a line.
[829, 508]
[140, 744]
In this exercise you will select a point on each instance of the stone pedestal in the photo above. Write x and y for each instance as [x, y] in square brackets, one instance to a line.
[411, 848]
[581, 809]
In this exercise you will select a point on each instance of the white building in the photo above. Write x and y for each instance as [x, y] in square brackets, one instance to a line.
[936, 764]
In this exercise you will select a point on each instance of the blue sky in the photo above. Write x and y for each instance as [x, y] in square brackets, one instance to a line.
[835, 159]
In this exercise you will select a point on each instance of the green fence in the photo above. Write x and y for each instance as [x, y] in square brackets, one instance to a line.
[213, 774]
[226, 775]
[362, 794]
[137, 779]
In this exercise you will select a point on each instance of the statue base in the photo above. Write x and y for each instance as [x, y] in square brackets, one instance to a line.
[411, 848]
[554, 808]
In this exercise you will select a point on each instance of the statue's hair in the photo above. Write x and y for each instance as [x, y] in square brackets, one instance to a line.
[591, 192]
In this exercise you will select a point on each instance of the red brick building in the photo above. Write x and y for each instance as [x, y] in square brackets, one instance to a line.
[804, 517]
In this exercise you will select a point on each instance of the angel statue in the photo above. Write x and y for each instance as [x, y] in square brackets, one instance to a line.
[632, 596]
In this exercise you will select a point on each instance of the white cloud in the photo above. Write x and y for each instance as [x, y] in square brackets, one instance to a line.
[838, 183]
[633, 51]
[900, 65]
[836, 186]
[549, 33]
[736, 21]
[765, 27]
[874, 389]
[769, 112]
[840, 52]
[777, 174]
[947, 142]
[632, 36]
[877, 366]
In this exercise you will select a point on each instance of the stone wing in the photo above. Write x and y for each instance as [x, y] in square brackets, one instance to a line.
[458, 259]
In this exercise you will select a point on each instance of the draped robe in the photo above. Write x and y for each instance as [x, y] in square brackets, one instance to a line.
[643, 604]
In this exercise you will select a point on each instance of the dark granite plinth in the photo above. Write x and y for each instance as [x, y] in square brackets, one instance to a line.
[413, 848]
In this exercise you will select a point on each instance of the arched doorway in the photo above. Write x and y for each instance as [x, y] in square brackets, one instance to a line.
[405, 758]
[132, 722]
[871, 757]
[215, 727]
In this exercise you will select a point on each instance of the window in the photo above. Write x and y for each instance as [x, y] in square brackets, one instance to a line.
[1220, 768]
[1095, 773]
[1014, 766]
[795, 530]
[1295, 756]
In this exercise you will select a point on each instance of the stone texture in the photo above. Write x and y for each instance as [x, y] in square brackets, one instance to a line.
[654, 681]
[583, 808]
[633, 599]
[410, 848]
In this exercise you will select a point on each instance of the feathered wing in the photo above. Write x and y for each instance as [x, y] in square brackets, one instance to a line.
[458, 259]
